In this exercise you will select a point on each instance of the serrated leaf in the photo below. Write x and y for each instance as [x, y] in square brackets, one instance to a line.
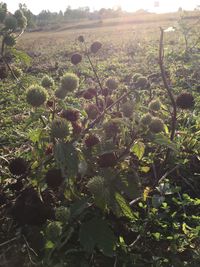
[97, 233]
[67, 158]
[138, 149]
[124, 206]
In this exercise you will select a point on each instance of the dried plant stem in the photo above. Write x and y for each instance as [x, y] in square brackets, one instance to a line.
[167, 86]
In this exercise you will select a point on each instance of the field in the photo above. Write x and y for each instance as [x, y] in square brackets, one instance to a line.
[100, 143]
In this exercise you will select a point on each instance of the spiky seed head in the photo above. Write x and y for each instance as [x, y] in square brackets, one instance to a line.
[127, 109]
[10, 22]
[185, 100]
[47, 81]
[60, 93]
[70, 114]
[96, 186]
[107, 160]
[112, 127]
[90, 93]
[18, 14]
[95, 47]
[141, 82]
[36, 95]
[17, 71]
[156, 125]
[81, 39]
[111, 83]
[21, 19]
[91, 140]
[18, 166]
[9, 40]
[76, 59]
[105, 92]
[54, 178]
[155, 105]
[77, 128]
[92, 111]
[62, 214]
[53, 231]
[59, 128]
[69, 82]
[146, 119]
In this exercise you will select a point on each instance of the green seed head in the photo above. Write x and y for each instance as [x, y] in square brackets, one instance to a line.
[9, 40]
[47, 81]
[60, 93]
[112, 127]
[111, 83]
[146, 119]
[53, 231]
[62, 214]
[21, 19]
[10, 22]
[69, 82]
[156, 125]
[155, 105]
[36, 95]
[59, 128]
[127, 109]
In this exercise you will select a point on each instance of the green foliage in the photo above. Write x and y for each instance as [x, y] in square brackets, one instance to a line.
[96, 233]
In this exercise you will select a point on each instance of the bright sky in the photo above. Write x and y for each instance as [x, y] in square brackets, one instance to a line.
[130, 5]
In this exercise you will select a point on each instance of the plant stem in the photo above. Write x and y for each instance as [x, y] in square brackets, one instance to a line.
[167, 87]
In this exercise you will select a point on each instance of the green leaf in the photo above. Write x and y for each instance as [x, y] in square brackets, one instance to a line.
[34, 135]
[78, 207]
[145, 169]
[67, 158]
[138, 149]
[21, 56]
[124, 206]
[97, 233]
[164, 141]
[157, 201]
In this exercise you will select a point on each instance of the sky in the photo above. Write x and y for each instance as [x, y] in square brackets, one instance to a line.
[129, 5]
